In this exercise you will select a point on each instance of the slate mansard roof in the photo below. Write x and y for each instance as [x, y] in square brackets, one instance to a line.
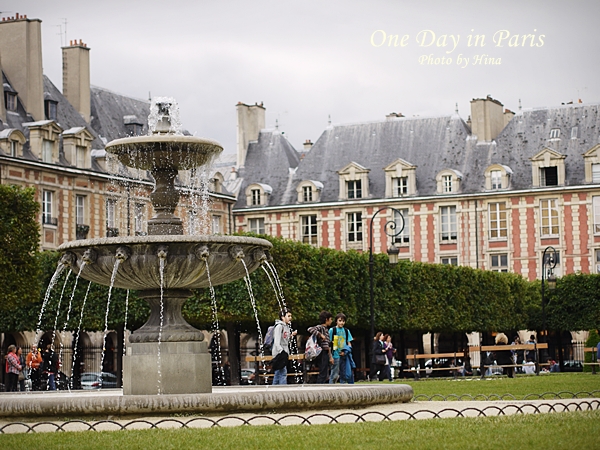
[432, 145]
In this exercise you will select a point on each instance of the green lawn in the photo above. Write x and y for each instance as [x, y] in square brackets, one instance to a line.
[545, 431]
[519, 387]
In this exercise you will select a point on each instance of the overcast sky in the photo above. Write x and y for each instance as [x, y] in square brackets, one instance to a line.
[313, 59]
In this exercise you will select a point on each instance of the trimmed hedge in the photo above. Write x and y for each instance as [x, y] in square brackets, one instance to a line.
[409, 296]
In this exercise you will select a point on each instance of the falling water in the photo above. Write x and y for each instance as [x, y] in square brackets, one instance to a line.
[274, 279]
[79, 331]
[62, 334]
[274, 287]
[253, 301]
[162, 284]
[277, 282]
[62, 293]
[125, 326]
[215, 321]
[112, 282]
[53, 282]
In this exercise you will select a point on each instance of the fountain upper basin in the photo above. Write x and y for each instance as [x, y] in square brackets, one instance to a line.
[185, 256]
[164, 151]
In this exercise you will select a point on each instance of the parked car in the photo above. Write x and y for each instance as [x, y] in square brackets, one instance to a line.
[98, 380]
[248, 376]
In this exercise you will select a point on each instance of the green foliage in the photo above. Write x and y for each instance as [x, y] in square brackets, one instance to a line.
[19, 239]
[575, 304]
[410, 296]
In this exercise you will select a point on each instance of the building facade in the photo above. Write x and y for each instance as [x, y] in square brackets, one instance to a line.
[491, 193]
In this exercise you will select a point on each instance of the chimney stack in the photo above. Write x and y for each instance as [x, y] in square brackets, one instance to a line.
[250, 120]
[307, 145]
[76, 77]
[21, 50]
[487, 116]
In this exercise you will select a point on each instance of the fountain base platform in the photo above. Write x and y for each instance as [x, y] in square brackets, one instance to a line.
[223, 400]
[185, 368]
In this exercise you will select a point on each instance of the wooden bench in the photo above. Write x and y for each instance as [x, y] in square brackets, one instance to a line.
[265, 359]
[454, 370]
[594, 363]
[515, 347]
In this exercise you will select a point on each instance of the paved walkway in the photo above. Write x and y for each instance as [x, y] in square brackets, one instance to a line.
[395, 411]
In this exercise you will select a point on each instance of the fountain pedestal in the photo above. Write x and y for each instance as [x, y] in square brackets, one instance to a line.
[185, 368]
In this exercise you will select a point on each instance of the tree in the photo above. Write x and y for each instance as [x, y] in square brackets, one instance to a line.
[19, 241]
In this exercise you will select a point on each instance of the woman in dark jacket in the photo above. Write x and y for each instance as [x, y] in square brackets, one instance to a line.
[504, 357]
[378, 357]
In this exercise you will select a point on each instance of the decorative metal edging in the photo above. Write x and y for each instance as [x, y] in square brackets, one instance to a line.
[297, 419]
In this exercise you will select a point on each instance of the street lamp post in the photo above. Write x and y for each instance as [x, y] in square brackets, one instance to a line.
[549, 260]
[390, 230]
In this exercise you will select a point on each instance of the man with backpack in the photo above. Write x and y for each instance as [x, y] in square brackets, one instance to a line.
[281, 346]
[321, 332]
[340, 338]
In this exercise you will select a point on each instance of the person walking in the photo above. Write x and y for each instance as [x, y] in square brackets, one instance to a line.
[340, 336]
[33, 361]
[281, 346]
[321, 332]
[13, 367]
[389, 353]
[50, 366]
[379, 358]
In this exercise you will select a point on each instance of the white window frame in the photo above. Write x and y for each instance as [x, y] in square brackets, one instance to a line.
[446, 183]
[47, 150]
[47, 201]
[498, 221]
[449, 260]
[596, 211]
[399, 186]
[354, 230]
[138, 218]
[80, 155]
[496, 179]
[499, 262]
[256, 225]
[404, 237]
[574, 132]
[307, 193]
[111, 206]
[256, 194]
[80, 218]
[216, 224]
[14, 148]
[354, 187]
[597, 260]
[309, 229]
[543, 180]
[549, 218]
[555, 133]
[448, 224]
[596, 173]
[11, 101]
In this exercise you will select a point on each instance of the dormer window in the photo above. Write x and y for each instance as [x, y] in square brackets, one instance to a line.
[10, 101]
[400, 179]
[255, 197]
[309, 191]
[400, 186]
[555, 133]
[257, 194]
[354, 189]
[217, 182]
[549, 176]
[448, 181]
[354, 182]
[11, 142]
[592, 164]
[548, 168]
[51, 109]
[133, 125]
[497, 177]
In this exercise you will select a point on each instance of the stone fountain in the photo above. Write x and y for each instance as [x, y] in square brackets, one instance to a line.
[163, 267]
[184, 366]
